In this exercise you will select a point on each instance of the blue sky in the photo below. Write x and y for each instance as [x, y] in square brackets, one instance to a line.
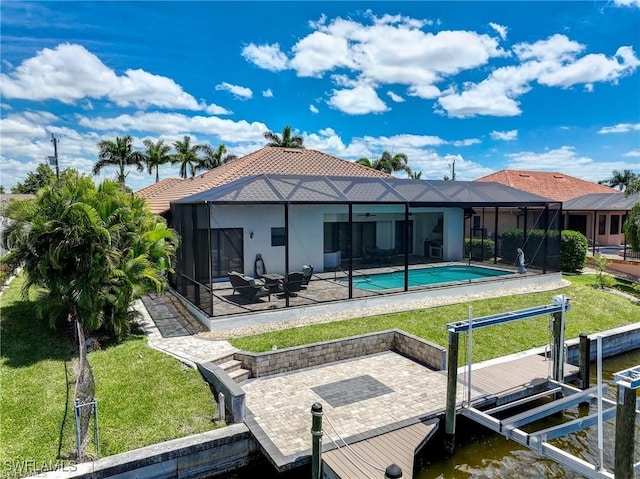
[552, 86]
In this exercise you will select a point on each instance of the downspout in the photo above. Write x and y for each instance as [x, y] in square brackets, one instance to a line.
[595, 224]
[526, 240]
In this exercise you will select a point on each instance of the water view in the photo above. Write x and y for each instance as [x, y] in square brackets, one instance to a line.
[483, 454]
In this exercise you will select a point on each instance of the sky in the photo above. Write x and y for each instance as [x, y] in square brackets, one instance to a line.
[484, 86]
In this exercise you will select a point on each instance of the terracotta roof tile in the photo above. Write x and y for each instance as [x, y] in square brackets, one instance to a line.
[267, 160]
[553, 185]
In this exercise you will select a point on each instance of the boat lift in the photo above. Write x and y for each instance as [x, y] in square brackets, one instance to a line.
[563, 396]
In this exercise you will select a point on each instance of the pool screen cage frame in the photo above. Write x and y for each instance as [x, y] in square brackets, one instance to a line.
[537, 232]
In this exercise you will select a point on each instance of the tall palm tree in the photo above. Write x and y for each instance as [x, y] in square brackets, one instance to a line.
[118, 153]
[214, 158]
[620, 179]
[387, 162]
[187, 156]
[286, 140]
[157, 154]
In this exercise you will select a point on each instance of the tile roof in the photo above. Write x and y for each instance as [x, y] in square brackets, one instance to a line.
[554, 185]
[267, 160]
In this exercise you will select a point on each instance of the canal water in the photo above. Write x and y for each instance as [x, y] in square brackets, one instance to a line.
[487, 455]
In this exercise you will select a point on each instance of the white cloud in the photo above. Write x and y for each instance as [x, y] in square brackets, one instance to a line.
[313, 109]
[238, 91]
[69, 73]
[633, 153]
[566, 160]
[357, 101]
[504, 135]
[214, 109]
[627, 3]
[620, 128]
[501, 29]
[466, 142]
[177, 124]
[267, 93]
[551, 62]
[395, 97]
[268, 57]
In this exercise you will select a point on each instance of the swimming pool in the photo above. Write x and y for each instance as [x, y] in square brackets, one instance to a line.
[424, 277]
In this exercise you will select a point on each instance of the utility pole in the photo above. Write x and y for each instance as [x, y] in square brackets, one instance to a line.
[453, 170]
[55, 141]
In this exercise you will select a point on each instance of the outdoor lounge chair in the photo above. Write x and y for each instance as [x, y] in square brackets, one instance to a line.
[307, 272]
[293, 283]
[248, 287]
[273, 281]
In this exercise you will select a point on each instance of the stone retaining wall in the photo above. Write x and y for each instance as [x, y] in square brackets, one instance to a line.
[291, 359]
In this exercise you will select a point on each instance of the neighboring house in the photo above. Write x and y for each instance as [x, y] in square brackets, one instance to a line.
[4, 199]
[599, 216]
[558, 187]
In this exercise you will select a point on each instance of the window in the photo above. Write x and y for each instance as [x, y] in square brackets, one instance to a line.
[614, 227]
[278, 237]
[602, 224]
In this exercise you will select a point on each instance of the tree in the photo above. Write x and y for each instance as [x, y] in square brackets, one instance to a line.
[93, 249]
[286, 140]
[633, 187]
[415, 175]
[35, 180]
[118, 153]
[187, 156]
[156, 155]
[1, 189]
[631, 227]
[387, 162]
[214, 158]
[620, 179]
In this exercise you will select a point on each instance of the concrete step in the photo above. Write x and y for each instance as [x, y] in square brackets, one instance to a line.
[231, 365]
[239, 375]
[223, 359]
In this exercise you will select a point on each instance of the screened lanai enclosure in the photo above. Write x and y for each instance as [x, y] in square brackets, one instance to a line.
[279, 241]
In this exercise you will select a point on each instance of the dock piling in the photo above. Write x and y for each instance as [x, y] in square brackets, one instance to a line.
[393, 472]
[452, 381]
[584, 361]
[316, 440]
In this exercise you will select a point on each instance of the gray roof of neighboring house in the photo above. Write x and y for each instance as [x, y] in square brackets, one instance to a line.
[280, 189]
[602, 202]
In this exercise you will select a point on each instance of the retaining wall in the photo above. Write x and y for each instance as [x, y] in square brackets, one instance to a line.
[291, 359]
[210, 454]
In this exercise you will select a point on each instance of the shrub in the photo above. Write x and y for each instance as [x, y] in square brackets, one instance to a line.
[481, 249]
[603, 279]
[573, 251]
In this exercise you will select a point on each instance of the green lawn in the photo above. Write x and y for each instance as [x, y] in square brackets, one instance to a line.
[144, 396]
[591, 310]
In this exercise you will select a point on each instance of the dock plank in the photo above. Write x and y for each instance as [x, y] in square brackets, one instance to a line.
[395, 447]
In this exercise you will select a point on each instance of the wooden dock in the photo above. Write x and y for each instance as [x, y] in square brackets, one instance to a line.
[396, 447]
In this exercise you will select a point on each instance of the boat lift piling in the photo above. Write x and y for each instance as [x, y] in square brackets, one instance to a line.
[628, 381]
[558, 307]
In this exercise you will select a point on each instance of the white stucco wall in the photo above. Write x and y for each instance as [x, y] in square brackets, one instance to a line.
[306, 230]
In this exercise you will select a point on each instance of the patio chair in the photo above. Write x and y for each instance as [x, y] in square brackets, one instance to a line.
[293, 283]
[248, 287]
[273, 281]
[307, 272]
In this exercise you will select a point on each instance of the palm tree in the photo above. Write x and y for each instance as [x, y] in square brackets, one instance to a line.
[118, 153]
[93, 249]
[214, 158]
[287, 140]
[621, 179]
[415, 175]
[187, 155]
[387, 162]
[157, 154]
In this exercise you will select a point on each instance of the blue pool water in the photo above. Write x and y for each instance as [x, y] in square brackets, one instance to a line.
[424, 276]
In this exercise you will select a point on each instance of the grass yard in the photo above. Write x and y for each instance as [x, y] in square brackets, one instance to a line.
[592, 310]
[144, 396]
